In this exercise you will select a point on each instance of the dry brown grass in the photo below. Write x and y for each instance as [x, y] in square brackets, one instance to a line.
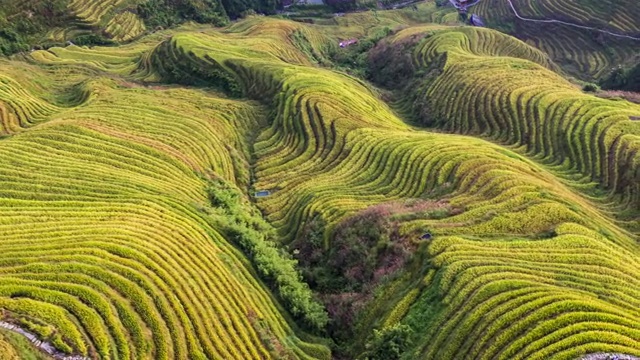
[633, 97]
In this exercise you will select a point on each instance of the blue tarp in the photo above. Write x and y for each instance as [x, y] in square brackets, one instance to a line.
[475, 20]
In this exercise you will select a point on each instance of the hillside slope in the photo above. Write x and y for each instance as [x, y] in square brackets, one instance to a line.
[585, 54]
[108, 234]
[526, 105]
[129, 229]
[25, 25]
[331, 155]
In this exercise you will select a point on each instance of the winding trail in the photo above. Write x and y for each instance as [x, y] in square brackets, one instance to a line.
[608, 356]
[515, 12]
[455, 4]
[42, 345]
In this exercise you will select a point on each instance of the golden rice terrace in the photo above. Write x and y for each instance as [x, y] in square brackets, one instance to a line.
[430, 191]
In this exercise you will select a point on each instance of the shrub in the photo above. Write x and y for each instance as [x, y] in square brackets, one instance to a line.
[623, 79]
[243, 225]
[365, 251]
[363, 248]
[591, 87]
[91, 39]
[11, 42]
[341, 5]
[389, 343]
[241, 8]
[166, 13]
[20, 22]
[355, 56]
[391, 65]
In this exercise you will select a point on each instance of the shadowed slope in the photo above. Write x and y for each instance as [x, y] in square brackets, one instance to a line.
[586, 54]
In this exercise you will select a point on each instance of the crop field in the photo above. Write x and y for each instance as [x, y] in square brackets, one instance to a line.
[583, 53]
[551, 119]
[92, 12]
[125, 26]
[619, 16]
[111, 243]
[102, 234]
[333, 155]
[43, 24]
[118, 23]
[8, 350]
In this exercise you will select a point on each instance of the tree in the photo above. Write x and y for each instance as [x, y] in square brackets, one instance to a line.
[341, 5]
[389, 343]
[623, 79]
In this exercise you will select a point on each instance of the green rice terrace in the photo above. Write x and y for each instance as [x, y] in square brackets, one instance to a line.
[586, 37]
[431, 190]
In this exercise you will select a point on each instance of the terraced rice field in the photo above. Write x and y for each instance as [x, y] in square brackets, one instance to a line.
[93, 12]
[619, 16]
[8, 350]
[116, 19]
[584, 54]
[103, 210]
[102, 236]
[125, 26]
[527, 105]
[331, 155]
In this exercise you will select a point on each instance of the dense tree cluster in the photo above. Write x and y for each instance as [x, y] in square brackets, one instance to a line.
[166, 13]
[243, 225]
[20, 20]
[623, 79]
